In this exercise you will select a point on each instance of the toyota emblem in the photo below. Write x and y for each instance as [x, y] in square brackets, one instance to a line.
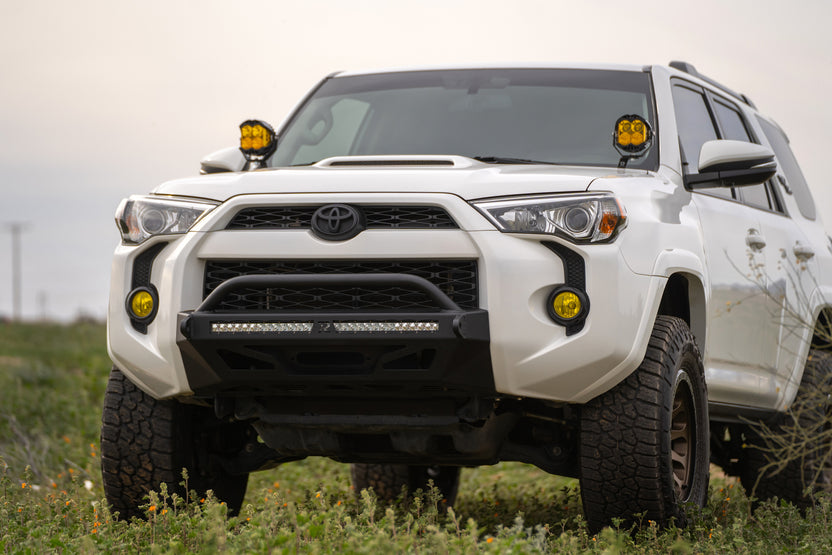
[337, 222]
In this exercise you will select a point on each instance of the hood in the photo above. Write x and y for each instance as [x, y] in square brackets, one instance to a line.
[463, 177]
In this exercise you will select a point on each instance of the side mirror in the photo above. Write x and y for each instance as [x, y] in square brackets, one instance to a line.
[225, 160]
[726, 163]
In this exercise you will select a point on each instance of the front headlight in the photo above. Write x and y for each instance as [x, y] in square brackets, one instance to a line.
[139, 218]
[581, 218]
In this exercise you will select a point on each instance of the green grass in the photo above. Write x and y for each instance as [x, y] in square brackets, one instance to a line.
[52, 381]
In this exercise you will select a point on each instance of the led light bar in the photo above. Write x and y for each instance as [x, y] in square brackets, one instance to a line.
[261, 327]
[430, 327]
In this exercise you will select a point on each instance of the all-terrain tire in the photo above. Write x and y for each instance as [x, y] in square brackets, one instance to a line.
[387, 480]
[145, 442]
[644, 445]
[808, 415]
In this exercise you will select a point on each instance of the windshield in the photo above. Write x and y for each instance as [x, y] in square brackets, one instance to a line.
[553, 116]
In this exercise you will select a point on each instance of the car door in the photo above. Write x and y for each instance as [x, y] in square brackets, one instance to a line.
[790, 257]
[742, 332]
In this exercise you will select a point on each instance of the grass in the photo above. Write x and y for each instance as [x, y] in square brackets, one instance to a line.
[52, 381]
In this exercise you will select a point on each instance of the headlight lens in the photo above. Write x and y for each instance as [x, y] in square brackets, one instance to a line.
[584, 218]
[139, 218]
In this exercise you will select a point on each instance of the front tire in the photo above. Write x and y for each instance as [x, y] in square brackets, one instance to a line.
[644, 445]
[145, 442]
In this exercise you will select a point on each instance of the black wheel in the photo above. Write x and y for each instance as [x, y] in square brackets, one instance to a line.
[387, 480]
[145, 442]
[644, 444]
[799, 441]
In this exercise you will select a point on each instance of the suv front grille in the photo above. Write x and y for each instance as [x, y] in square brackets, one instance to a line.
[377, 217]
[456, 278]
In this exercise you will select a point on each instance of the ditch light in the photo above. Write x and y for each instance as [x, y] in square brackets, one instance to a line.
[337, 327]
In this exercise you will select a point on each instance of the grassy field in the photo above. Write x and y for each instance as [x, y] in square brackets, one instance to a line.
[52, 381]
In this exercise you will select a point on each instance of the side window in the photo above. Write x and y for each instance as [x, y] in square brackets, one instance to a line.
[693, 120]
[789, 167]
[733, 127]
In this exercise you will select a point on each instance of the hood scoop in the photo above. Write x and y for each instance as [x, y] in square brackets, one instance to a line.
[387, 161]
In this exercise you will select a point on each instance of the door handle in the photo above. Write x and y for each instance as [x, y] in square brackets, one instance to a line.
[802, 252]
[755, 240]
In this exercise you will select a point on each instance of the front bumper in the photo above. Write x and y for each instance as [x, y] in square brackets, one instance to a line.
[530, 355]
[336, 354]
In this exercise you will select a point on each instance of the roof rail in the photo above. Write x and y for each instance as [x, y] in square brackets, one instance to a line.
[689, 69]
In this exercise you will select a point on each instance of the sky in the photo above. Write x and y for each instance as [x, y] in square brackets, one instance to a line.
[101, 99]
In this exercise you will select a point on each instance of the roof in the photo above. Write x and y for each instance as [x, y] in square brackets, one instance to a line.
[513, 65]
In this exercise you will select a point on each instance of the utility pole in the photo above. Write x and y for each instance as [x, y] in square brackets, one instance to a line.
[16, 228]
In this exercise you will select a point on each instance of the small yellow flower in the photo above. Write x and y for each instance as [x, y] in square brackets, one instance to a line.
[318, 495]
[152, 508]
[489, 540]
[23, 485]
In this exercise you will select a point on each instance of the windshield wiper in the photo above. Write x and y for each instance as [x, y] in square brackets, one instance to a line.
[509, 160]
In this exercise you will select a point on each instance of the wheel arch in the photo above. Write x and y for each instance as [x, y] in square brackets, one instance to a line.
[822, 332]
[684, 297]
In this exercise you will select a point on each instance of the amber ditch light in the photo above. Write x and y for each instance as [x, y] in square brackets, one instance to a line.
[257, 140]
[632, 137]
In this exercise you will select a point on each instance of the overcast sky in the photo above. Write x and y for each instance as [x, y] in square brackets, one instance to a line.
[103, 99]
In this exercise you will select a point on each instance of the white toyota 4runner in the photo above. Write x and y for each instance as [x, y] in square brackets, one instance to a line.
[604, 271]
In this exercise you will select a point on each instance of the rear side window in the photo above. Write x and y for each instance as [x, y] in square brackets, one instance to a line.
[790, 169]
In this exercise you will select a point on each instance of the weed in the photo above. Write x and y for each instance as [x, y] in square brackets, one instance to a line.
[52, 380]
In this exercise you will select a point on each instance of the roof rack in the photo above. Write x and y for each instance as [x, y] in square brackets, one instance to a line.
[689, 69]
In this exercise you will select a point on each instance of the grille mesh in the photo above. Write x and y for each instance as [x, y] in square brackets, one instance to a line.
[377, 217]
[456, 278]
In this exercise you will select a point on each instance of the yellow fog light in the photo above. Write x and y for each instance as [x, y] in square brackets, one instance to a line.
[257, 139]
[567, 306]
[142, 304]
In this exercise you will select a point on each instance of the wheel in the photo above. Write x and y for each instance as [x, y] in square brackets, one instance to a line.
[799, 441]
[145, 442]
[644, 444]
[387, 480]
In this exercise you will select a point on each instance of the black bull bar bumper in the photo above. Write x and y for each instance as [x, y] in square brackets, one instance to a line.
[360, 354]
